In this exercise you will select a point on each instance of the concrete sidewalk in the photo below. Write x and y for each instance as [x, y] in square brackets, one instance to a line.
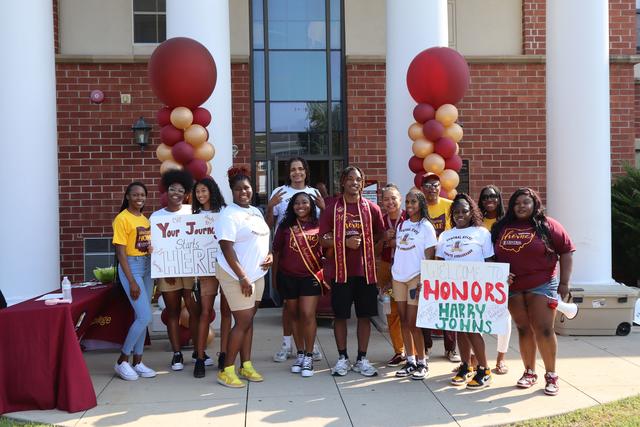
[592, 370]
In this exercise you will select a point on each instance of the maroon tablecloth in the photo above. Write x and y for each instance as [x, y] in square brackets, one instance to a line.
[41, 364]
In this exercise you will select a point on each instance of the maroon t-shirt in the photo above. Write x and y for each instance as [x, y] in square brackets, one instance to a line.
[353, 226]
[524, 250]
[385, 255]
[289, 260]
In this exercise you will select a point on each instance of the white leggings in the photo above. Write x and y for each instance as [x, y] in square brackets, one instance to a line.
[503, 340]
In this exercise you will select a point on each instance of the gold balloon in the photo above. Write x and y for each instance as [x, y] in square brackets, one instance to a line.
[209, 168]
[452, 194]
[415, 132]
[164, 152]
[204, 152]
[449, 179]
[168, 165]
[184, 317]
[447, 114]
[181, 117]
[453, 131]
[433, 163]
[195, 135]
[422, 148]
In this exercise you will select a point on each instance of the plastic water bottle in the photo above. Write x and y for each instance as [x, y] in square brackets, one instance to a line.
[386, 304]
[66, 289]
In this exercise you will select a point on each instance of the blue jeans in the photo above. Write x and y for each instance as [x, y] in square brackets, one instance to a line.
[548, 289]
[140, 267]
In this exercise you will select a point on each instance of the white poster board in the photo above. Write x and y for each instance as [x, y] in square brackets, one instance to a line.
[464, 296]
[183, 245]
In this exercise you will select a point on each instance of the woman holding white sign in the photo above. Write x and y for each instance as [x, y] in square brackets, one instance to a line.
[207, 199]
[243, 235]
[415, 241]
[467, 240]
[533, 243]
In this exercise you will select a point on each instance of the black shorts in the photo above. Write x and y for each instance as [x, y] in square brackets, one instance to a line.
[355, 291]
[291, 287]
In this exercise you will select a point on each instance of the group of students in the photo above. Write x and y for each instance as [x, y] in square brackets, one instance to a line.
[332, 243]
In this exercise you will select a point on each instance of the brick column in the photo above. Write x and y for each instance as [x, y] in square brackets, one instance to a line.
[30, 261]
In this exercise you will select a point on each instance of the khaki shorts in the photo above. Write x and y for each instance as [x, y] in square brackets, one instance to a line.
[209, 286]
[233, 292]
[178, 284]
[402, 290]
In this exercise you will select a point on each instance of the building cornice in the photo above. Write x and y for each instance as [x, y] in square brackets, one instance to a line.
[124, 59]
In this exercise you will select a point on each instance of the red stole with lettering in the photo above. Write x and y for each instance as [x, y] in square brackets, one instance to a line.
[339, 237]
[309, 258]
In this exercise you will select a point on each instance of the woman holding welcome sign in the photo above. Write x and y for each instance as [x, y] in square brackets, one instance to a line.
[533, 243]
[467, 240]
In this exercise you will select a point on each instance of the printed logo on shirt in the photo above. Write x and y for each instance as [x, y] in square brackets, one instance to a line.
[456, 249]
[311, 238]
[143, 238]
[408, 236]
[439, 223]
[514, 240]
[352, 225]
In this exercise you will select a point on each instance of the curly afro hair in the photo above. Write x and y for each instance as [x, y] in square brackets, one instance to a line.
[176, 176]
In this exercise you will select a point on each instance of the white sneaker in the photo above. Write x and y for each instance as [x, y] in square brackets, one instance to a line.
[307, 367]
[342, 367]
[317, 355]
[125, 371]
[297, 365]
[365, 368]
[453, 356]
[282, 355]
[144, 371]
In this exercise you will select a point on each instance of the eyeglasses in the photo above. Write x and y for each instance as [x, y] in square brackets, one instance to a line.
[489, 197]
[431, 185]
[352, 179]
[177, 190]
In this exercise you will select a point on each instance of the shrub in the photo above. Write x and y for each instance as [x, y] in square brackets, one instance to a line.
[625, 226]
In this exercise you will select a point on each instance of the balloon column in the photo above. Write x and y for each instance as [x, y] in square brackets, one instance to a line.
[183, 75]
[437, 79]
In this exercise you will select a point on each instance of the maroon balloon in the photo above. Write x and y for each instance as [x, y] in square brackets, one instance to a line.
[446, 147]
[182, 152]
[417, 180]
[416, 165]
[423, 112]
[198, 169]
[454, 163]
[164, 199]
[164, 116]
[433, 130]
[438, 75]
[171, 135]
[182, 72]
[202, 117]
[161, 187]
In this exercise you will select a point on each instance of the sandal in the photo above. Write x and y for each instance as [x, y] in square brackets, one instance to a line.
[501, 368]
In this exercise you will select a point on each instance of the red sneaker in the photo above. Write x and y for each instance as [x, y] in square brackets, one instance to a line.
[551, 388]
[527, 379]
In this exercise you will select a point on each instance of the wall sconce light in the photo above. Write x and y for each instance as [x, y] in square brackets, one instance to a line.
[141, 132]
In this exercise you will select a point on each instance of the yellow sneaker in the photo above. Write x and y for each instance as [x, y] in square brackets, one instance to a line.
[228, 378]
[249, 373]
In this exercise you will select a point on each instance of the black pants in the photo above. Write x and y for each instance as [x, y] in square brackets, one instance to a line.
[449, 339]
[3, 303]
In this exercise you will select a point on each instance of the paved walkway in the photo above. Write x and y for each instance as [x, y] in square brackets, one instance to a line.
[592, 370]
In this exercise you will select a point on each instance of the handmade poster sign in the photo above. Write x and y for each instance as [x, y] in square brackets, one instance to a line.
[183, 245]
[464, 296]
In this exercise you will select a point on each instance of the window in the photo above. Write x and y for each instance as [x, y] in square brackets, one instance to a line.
[638, 25]
[98, 252]
[149, 21]
[638, 153]
[297, 87]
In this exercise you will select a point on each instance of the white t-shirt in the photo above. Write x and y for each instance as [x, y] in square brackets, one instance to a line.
[184, 210]
[280, 209]
[248, 231]
[412, 239]
[465, 244]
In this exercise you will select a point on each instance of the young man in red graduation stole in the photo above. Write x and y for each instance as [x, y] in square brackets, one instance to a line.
[350, 226]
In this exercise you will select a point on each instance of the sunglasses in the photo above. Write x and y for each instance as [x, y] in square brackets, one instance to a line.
[489, 197]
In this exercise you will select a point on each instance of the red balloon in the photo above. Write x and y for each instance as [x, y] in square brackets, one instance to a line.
[164, 199]
[417, 180]
[171, 135]
[415, 165]
[438, 75]
[182, 72]
[198, 169]
[164, 116]
[444, 146]
[454, 163]
[182, 152]
[161, 187]
[423, 113]
[433, 130]
[202, 117]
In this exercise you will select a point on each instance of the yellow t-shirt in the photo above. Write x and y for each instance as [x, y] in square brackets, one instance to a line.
[488, 223]
[132, 231]
[439, 215]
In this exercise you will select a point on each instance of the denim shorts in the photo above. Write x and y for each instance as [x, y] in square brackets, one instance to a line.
[548, 289]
